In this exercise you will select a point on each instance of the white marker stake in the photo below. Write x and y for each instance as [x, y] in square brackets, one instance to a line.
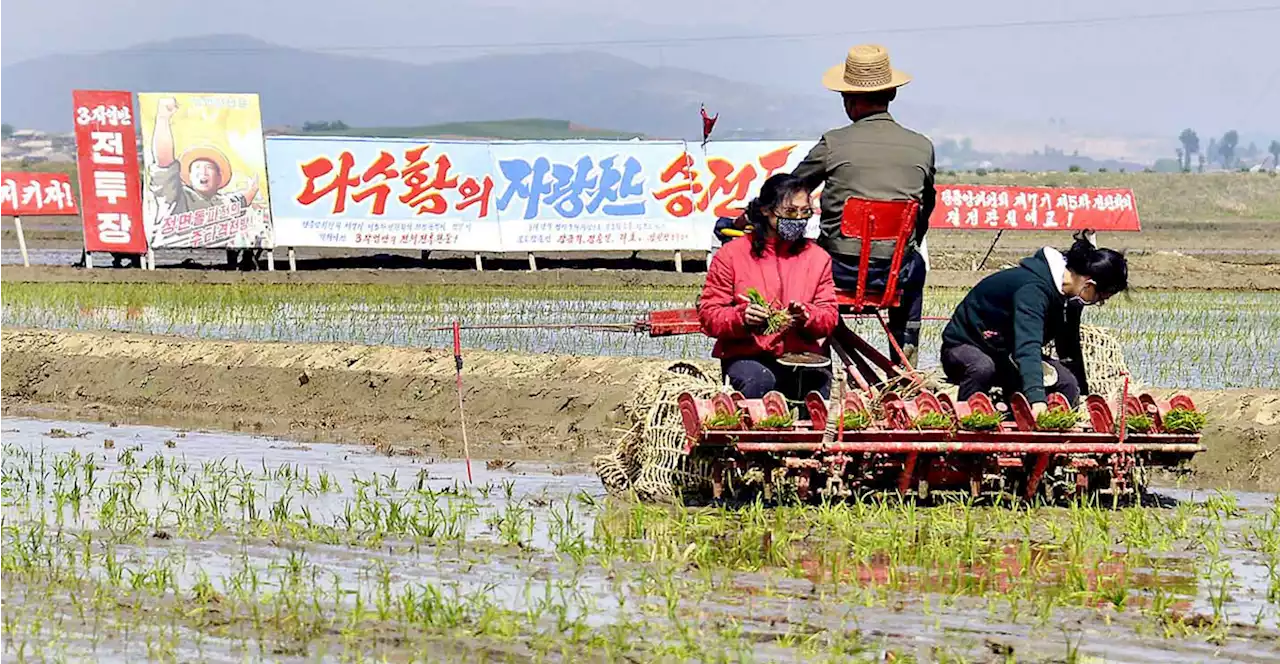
[22, 241]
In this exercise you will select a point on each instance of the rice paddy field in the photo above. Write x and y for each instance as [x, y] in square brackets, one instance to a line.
[1183, 339]
[125, 543]
[121, 542]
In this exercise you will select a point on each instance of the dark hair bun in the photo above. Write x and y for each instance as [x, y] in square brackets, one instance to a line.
[1106, 267]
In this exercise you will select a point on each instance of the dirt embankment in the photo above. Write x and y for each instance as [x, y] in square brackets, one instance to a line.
[517, 406]
[533, 407]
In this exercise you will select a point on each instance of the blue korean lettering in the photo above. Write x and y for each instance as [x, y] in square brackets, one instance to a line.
[570, 184]
[616, 186]
[527, 181]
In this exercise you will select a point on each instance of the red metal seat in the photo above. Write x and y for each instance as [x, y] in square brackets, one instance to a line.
[870, 221]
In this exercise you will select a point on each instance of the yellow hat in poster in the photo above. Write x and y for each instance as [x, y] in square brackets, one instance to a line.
[209, 154]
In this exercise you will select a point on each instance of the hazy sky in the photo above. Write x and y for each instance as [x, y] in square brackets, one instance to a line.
[1211, 72]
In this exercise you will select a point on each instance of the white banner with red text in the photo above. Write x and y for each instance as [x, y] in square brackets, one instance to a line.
[547, 196]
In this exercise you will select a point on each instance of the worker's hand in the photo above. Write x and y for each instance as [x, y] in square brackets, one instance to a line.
[799, 313]
[755, 315]
[1038, 408]
[166, 107]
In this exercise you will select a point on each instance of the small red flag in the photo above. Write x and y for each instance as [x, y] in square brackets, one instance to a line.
[708, 123]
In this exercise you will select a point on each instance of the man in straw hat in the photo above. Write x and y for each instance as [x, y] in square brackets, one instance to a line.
[195, 179]
[875, 158]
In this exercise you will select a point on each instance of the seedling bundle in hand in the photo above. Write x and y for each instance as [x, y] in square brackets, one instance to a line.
[778, 319]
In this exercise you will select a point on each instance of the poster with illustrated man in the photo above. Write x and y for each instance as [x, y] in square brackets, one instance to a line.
[205, 173]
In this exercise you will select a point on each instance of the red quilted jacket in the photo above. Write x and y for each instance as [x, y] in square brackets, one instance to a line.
[804, 277]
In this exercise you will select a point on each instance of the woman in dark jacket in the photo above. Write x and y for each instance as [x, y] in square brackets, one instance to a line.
[996, 335]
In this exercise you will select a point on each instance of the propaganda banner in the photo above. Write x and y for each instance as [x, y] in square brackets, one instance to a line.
[538, 196]
[383, 193]
[107, 165]
[976, 207]
[512, 196]
[25, 194]
[205, 171]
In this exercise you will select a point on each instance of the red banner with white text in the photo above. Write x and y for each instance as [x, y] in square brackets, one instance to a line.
[28, 194]
[994, 208]
[107, 158]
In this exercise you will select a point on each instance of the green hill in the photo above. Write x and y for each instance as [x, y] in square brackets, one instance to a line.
[530, 128]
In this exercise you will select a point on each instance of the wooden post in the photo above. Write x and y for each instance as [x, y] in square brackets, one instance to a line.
[679, 262]
[293, 261]
[479, 263]
[22, 241]
[271, 260]
[533, 263]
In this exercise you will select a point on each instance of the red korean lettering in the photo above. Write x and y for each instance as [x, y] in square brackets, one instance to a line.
[772, 161]
[381, 167]
[474, 192]
[681, 194]
[342, 180]
[424, 191]
[727, 180]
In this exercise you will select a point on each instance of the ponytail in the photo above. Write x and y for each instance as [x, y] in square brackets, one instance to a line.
[759, 226]
[1106, 267]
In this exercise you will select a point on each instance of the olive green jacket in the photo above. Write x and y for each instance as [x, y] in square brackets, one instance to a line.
[874, 158]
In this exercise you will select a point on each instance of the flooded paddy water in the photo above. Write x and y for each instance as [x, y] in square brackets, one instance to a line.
[123, 543]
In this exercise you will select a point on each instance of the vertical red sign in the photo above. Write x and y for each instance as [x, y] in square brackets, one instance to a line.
[107, 158]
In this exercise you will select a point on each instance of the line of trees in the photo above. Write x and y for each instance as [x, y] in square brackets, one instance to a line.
[325, 125]
[1223, 151]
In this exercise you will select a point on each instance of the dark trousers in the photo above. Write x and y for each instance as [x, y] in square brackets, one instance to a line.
[973, 370]
[754, 376]
[904, 319]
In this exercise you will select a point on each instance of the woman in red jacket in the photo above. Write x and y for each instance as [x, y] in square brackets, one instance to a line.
[794, 276]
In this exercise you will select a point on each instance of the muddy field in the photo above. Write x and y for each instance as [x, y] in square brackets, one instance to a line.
[528, 407]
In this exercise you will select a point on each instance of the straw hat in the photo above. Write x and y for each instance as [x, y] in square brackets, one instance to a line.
[865, 69]
[211, 154]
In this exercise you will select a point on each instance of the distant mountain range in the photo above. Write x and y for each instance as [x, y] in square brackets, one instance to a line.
[297, 86]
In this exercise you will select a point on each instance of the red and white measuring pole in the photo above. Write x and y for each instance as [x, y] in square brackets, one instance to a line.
[457, 360]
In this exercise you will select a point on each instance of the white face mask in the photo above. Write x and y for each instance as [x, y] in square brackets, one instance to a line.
[1085, 302]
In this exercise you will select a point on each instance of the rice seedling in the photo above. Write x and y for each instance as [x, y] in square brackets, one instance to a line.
[1170, 338]
[1180, 420]
[1139, 423]
[978, 421]
[934, 420]
[731, 420]
[1058, 419]
[855, 420]
[777, 320]
[778, 421]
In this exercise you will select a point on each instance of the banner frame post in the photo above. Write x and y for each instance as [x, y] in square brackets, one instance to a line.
[271, 260]
[22, 240]
[479, 263]
[149, 259]
[88, 260]
[533, 262]
[293, 260]
[679, 262]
